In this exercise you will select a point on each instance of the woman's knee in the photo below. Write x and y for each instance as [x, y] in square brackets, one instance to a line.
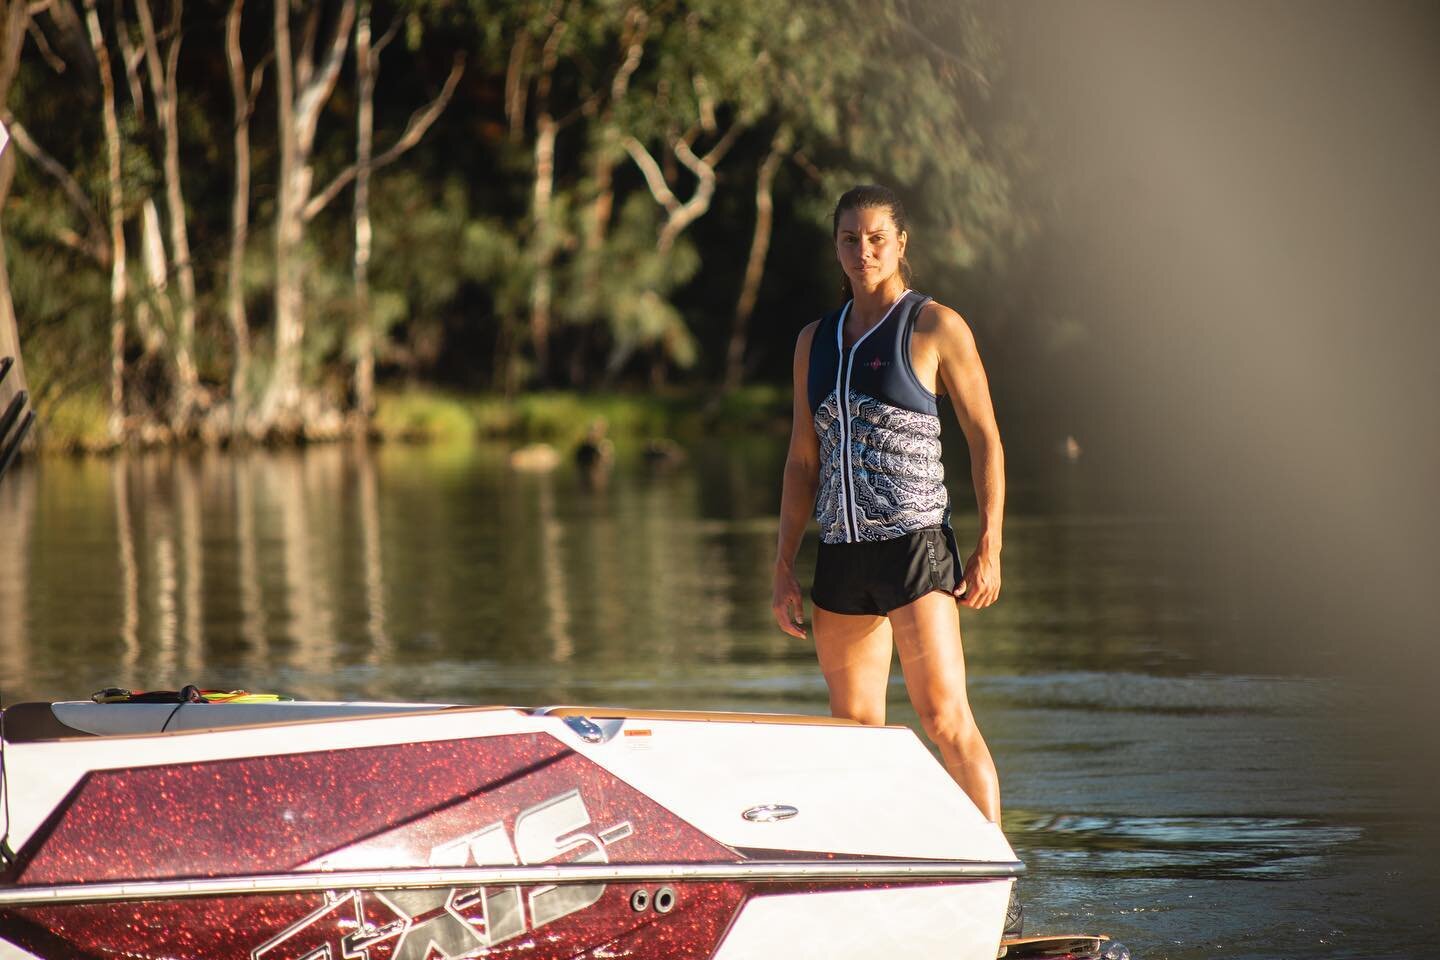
[861, 710]
[951, 723]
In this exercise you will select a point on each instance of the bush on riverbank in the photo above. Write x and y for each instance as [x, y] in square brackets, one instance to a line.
[79, 423]
[563, 417]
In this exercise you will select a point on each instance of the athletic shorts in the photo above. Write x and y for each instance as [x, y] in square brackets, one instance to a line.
[877, 576]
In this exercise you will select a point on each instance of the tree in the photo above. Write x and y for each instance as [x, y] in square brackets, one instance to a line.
[164, 89]
[243, 96]
[599, 139]
[367, 71]
[562, 29]
[14, 20]
[709, 88]
[302, 89]
[780, 145]
[119, 281]
[920, 134]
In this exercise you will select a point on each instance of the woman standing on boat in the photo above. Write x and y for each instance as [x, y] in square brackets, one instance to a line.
[865, 455]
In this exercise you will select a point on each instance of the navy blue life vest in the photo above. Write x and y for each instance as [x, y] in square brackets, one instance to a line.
[879, 430]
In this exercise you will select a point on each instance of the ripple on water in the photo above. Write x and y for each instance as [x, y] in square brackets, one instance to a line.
[1191, 847]
[1127, 692]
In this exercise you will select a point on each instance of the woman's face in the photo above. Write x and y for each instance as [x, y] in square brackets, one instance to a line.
[869, 247]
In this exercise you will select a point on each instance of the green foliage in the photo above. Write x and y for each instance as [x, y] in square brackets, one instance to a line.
[422, 250]
[888, 90]
[563, 418]
[425, 415]
[78, 421]
[61, 302]
[629, 288]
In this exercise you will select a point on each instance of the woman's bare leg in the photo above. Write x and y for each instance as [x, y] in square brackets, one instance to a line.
[927, 634]
[854, 654]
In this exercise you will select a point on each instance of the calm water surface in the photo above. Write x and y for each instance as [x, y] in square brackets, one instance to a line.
[1187, 810]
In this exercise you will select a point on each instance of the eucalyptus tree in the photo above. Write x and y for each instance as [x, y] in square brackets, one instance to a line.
[702, 90]
[780, 144]
[14, 22]
[890, 90]
[244, 91]
[162, 72]
[589, 302]
[708, 88]
[303, 86]
[119, 282]
[568, 71]
[367, 70]
[548, 89]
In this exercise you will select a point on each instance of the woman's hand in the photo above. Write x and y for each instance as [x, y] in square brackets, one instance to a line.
[786, 603]
[982, 580]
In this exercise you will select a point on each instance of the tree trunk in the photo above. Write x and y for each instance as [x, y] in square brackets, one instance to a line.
[607, 154]
[542, 227]
[302, 91]
[367, 72]
[164, 88]
[118, 287]
[283, 392]
[516, 89]
[9, 331]
[153, 336]
[755, 266]
[597, 227]
[604, 203]
[14, 18]
[239, 215]
[542, 240]
[362, 338]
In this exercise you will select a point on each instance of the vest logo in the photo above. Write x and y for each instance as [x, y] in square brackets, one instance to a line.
[877, 363]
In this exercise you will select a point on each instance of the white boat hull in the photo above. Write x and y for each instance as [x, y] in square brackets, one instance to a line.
[411, 832]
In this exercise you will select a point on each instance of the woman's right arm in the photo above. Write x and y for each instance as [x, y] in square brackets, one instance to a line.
[797, 496]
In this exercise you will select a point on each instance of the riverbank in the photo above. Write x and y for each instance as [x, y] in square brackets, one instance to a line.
[79, 423]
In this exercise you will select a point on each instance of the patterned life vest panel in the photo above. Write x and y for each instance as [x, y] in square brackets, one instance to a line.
[879, 430]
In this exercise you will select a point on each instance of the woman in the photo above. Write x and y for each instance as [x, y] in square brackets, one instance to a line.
[865, 455]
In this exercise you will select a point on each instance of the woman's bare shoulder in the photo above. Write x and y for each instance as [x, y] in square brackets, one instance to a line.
[946, 326]
[807, 334]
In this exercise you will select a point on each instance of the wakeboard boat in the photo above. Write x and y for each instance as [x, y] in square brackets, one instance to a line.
[380, 831]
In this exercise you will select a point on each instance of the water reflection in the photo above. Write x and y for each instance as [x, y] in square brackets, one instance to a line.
[1138, 771]
[129, 578]
[325, 570]
[253, 628]
[17, 511]
[334, 570]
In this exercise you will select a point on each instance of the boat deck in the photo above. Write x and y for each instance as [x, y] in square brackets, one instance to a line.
[65, 720]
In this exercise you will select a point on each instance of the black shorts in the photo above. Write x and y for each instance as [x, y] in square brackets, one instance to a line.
[877, 576]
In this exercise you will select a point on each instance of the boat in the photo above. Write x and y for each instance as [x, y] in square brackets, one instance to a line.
[287, 830]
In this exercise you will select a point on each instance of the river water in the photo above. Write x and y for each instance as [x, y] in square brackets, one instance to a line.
[1155, 793]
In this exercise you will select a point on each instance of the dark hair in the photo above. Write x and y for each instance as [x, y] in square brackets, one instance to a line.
[864, 197]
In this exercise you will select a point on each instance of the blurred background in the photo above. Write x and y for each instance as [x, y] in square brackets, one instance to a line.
[441, 351]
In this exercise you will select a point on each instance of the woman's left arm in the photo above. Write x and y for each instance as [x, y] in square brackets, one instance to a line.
[964, 378]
